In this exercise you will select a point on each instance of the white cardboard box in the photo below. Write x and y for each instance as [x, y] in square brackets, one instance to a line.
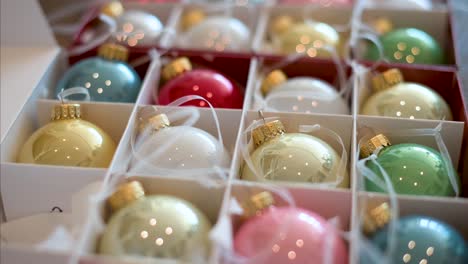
[24, 184]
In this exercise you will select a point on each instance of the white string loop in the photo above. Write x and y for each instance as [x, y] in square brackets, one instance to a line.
[62, 96]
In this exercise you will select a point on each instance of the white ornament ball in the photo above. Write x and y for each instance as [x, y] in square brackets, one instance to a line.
[183, 147]
[217, 33]
[306, 95]
[138, 28]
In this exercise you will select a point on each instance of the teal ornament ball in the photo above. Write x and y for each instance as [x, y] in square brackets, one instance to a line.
[422, 240]
[408, 45]
[413, 170]
[108, 78]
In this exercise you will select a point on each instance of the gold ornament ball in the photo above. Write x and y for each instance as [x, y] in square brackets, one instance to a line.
[157, 226]
[407, 100]
[295, 157]
[68, 141]
[309, 38]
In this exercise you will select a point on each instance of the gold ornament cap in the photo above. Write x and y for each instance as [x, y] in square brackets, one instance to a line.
[267, 132]
[257, 203]
[156, 122]
[387, 79]
[192, 18]
[273, 79]
[382, 25]
[113, 9]
[125, 194]
[66, 112]
[374, 143]
[281, 24]
[376, 218]
[113, 51]
[175, 68]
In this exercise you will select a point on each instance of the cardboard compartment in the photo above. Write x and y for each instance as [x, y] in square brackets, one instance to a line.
[341, 125]
[163, 11]
[445, 209]
[442, 81]
[247, 14]
[325, 70]
[234, 68]
[330, 204]
[61, 64]
[229, 120]
[451, 132]
[29, 188]
[209, 199]
[336, 16]
[438, 26]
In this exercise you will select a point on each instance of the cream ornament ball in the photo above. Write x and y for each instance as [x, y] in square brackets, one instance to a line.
[294, 95]
[159, 226]
[68, 141]
[292, 157]
[307, 38]
[183, 147]
[396, 98]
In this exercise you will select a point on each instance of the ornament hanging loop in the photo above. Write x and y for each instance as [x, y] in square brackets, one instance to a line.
[62, 96]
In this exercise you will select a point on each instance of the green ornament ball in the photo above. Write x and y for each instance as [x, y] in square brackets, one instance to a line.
[408, 45]
[413, 169]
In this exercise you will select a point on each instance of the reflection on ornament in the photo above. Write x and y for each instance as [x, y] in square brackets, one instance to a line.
[107, 77]
[215, 33]
[293, 157]
[278, 235]
[408, 45]
[308, 38]
[134, 27]
[418, 239]
[182, 80]
[68, 141]
[154, 226]
[301, 94]
[413, 169]
[186, 148]
[396, 98]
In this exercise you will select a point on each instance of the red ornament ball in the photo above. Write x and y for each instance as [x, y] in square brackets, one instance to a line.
[217, 89]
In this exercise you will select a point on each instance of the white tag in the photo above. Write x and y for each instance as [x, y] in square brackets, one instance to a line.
[33, 229]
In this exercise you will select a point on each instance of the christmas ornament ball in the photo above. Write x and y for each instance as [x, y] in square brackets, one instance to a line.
[413, 169]
[107, 77]
[302, 94]
[68, 141]
[216, 33]
[154, 226]
[293, 157]
[182, 80]
[396, 98]
[284, 234]
[309, 39]
[186, 147]
[408, 45]
[424, 240]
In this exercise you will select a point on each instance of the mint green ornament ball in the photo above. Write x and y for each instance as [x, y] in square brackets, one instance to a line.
[408, 45]
[413, 169]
